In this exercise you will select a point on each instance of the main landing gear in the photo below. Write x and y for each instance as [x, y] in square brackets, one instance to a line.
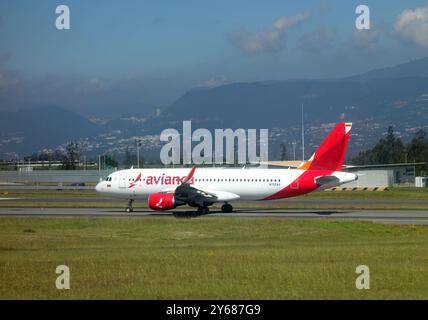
[203, 210]
[129, 208]
[226, 208]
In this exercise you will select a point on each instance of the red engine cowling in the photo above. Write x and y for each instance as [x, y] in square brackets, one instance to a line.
[161, 201]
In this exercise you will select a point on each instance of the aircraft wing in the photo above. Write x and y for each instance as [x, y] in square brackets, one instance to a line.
[198, 196]
[201, 197]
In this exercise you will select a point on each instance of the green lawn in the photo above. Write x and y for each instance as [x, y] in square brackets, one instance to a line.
[210, 258]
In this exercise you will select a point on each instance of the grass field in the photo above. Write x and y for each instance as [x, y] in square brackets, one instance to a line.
[211, 258]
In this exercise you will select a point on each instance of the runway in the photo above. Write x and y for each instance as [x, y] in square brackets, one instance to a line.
[383, 216]
[287, 202]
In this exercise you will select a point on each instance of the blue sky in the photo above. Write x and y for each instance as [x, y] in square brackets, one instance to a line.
[156, 50]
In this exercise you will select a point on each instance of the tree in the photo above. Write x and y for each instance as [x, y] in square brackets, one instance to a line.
[128, 159]
[392, 150]
[283, 152]
[387, 150]
[71, 156]
[110, 161]
[417, 151]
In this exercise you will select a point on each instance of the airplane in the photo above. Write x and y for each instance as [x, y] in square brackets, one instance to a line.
[166, 189]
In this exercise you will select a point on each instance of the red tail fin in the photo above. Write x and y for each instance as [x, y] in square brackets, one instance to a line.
[331, 153]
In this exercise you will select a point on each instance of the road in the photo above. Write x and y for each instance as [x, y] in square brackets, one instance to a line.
[384, 216]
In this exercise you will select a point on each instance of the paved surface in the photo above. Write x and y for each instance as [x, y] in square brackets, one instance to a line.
[390, 216]
[287, 202]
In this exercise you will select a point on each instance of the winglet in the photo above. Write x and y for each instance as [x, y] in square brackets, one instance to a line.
[190, 175]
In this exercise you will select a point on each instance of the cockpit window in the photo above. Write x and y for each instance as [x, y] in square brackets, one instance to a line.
[108, 179]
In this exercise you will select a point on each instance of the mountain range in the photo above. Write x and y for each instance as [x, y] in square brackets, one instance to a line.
[372, 101]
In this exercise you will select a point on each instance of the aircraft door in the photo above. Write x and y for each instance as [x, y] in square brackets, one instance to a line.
[122, 179]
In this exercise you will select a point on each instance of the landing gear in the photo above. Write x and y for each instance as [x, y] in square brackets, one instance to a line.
[226, 208]
[129, 208]
[203, 210]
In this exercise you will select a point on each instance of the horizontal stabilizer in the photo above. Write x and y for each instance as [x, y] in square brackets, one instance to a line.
[326, 182]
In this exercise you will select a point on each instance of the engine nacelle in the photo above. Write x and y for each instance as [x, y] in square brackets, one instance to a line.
[162, 201]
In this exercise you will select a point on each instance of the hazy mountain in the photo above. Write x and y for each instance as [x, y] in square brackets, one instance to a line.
[392, 96]
[372, 101]
[414, 68]
[277, 103]
[117, 111]
[28, 131]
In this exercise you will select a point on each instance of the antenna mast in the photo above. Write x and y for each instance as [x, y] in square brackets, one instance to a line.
[303, 137]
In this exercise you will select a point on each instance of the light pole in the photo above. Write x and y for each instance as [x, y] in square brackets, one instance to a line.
[303, 137]
[294, 150]
[138, 142]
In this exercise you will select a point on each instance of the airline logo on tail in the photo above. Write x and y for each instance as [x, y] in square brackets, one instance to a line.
[331, 153]
[327, 159]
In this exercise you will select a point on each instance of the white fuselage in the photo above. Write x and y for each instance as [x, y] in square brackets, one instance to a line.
[228, 184]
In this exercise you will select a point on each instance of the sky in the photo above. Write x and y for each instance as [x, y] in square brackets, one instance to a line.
[152, 52]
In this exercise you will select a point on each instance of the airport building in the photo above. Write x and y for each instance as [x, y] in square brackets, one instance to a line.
[384, 175]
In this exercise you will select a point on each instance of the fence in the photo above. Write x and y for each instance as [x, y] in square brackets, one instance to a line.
[54, 176]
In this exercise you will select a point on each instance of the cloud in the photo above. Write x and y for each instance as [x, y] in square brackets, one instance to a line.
[366, 40]
[412, 25]
[7, 77]
[95, 84]
[266, 40]
[317, 40]
[4, 57]
[214, 82]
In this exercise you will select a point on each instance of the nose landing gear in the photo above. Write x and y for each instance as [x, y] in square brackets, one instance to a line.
[129, 208]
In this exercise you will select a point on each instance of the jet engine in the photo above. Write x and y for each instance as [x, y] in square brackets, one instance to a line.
[162, 201]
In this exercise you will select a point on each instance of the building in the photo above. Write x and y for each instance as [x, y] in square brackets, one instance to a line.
[383, 175]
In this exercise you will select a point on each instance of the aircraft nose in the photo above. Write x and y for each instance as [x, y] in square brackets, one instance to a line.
[99, 187]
